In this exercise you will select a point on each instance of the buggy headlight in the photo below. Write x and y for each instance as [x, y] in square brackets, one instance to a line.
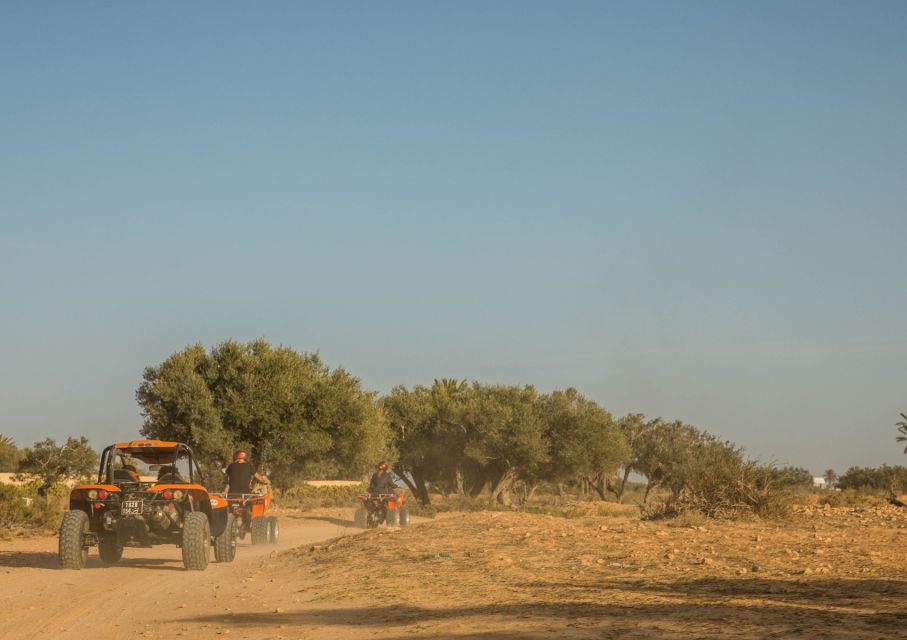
[92, 495]
[178, 495]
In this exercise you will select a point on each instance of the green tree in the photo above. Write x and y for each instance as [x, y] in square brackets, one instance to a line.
[506, 437]
[430, 434]
[583, 441]
[884, 478]
[635, 430]
[50, 463]
[9, 454]
[289, 410]
[666, 454]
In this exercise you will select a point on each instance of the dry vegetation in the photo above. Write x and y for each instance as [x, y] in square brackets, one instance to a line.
[827, 572]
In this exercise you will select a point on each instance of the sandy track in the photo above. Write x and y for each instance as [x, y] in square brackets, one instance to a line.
[132, 598]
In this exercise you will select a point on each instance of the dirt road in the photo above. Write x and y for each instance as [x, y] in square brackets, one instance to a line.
[133, 598]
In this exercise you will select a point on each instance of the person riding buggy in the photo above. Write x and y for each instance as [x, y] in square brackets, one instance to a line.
[120, 509]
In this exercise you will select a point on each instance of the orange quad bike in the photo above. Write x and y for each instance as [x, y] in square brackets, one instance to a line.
[124, 509]
[375, 508]
[249, 509]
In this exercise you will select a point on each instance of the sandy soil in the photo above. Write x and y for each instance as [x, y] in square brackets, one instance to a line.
[827, 573]
[133, 598]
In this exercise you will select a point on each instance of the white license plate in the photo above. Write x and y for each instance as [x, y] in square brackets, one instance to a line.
[131, 508]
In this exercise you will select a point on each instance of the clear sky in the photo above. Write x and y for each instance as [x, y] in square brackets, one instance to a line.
[696, 210]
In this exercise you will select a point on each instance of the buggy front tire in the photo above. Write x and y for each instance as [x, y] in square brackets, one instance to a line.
[225, 543]
[110, 550]
[196, 541]
[73, 550]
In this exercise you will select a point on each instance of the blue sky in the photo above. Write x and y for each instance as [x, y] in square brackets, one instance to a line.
[694, 210]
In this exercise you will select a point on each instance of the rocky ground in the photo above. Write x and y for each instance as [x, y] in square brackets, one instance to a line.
[826, 573]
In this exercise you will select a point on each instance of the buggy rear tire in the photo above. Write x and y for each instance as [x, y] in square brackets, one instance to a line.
[361, 518]
[196, 541]
[73, 550]
[392, 518]
[225, 543]
[110, 550]
[404, 517]
[273, 530]
[259, 530]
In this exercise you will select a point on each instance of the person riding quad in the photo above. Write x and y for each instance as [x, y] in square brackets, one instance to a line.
[239, 475]
[382, 481]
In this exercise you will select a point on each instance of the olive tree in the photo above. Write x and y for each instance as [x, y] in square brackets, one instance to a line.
[289, 410]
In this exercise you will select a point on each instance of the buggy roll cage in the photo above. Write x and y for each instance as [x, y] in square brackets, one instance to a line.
[105, 472]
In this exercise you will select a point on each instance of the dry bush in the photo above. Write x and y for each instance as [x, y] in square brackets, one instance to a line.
[22, 509]
[853, 498]
[307, 497]
[722, 484]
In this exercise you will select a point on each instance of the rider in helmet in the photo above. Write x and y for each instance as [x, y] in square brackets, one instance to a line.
[238, 477]
[382, 481]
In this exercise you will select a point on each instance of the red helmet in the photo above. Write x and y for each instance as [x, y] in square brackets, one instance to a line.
[383, 466]
[239, 455]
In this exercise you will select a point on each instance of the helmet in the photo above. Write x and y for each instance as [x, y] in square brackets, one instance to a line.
[383, 466]
[239, 455]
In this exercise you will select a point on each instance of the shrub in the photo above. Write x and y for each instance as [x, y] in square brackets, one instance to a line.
[854, 498]
[307, 497]
[725, 485]
[21, 508]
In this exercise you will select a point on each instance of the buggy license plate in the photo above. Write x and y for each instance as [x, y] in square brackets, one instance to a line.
[131, 508]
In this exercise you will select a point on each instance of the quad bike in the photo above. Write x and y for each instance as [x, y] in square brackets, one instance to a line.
[121, 510]
[376, 508]
[249, 510]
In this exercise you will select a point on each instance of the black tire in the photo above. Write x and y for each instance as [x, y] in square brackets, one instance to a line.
[110, 550]
[196, 541]
[225, 543]
[404, 517]
[273, 530]
[392, 518]
[73, 550]
[361, 518]
[259, 530]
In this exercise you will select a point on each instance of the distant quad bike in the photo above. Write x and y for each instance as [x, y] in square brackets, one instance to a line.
[124, 510]
[249, 511]
[376, 508]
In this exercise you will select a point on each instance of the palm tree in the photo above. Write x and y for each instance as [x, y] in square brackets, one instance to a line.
[902, 427]
[830, 478]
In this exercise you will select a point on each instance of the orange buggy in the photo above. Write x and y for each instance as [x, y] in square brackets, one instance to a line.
[249, 509]
[123, 509]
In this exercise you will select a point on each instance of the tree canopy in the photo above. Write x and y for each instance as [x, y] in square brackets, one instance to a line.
[50, 463]
[464, 437]
[289, 410]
